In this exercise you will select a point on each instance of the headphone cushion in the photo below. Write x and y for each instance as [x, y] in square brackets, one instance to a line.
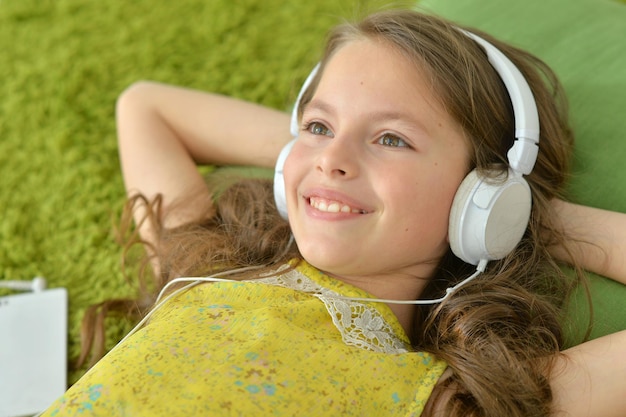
[488, 218]
[280, 197]
[457, 212]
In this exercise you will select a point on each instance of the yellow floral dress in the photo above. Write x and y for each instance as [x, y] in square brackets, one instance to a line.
[283, 345]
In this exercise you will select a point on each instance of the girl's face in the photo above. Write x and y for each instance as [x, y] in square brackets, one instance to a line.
[370, 181]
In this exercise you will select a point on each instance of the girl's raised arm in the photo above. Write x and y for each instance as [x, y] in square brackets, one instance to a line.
[598, 239]
[590, 379]
[164, 132]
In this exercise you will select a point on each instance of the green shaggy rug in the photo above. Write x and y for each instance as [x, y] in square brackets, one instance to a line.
[62, 65]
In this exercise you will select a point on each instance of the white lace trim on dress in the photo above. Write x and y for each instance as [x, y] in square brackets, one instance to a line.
[360, 324]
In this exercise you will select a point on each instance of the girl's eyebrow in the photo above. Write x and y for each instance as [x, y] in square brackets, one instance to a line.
[317, 104]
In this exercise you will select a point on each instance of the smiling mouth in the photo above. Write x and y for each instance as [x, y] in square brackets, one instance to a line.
[331, 206]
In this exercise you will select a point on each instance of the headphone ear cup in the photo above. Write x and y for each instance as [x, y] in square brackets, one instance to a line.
[279, 180]
[280, 197]
[488, 220]
[457, 214]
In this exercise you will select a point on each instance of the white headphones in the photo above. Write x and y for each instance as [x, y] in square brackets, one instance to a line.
[488, 218]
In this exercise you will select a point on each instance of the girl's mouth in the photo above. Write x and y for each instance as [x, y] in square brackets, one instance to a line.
[332, 206]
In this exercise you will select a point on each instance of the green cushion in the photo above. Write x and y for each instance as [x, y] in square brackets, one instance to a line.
[584, 41]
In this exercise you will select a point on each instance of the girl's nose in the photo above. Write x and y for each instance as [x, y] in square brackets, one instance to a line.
[340, 158]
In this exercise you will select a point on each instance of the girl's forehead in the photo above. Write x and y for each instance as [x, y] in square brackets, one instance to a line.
[381, 69]
[371, 59]
[378, 88]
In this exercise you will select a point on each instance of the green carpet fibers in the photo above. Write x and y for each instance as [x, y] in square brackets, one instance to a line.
[62, 65]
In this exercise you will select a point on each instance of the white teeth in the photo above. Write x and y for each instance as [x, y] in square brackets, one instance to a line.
[332, 206]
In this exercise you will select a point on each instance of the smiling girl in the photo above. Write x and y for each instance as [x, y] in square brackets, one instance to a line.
[402, 108]
[389, 155]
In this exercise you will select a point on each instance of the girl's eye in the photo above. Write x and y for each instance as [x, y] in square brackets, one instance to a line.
[393, 141]
[317, 128]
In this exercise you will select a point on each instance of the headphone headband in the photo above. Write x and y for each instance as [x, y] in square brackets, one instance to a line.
[295, 126]
[523, 154]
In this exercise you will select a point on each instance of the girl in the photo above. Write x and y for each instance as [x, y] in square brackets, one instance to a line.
[402, 108]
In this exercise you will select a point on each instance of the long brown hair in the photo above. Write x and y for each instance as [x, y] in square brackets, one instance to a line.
[497, 333]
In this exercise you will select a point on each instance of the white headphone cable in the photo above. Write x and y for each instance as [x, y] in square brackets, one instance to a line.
[193, 281]
[480, 268]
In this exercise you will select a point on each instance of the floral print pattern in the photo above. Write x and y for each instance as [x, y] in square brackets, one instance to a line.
[253, 348]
